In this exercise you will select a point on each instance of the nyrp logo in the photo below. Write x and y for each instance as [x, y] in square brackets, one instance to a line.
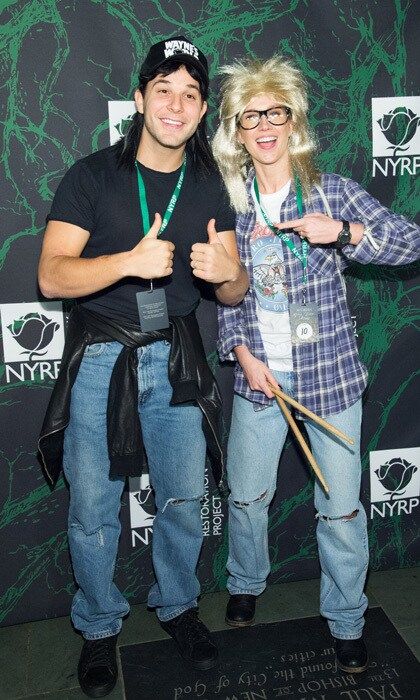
[120, 114]
[396, 476]
[399, 127]
[394, 481]
[33, 336]
[396, 135]
[34, 332]
[142, 509]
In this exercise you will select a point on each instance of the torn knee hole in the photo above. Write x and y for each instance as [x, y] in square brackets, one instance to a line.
[351, 515]
[96, 533]
[346, 518]
[245, 504]
[180, 501]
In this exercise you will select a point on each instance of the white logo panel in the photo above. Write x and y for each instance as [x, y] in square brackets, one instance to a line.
[142, 506]
[395, 474]
[32, 331]
[120, 112]
[395, 126]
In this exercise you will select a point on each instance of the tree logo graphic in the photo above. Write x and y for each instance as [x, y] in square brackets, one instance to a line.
[120, 115]
[395, 474]
[32, 331]
[142, 505]
[123, 126]
[395, 127]
[399, 126]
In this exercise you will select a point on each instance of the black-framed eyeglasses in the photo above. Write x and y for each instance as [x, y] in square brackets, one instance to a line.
[275, 115]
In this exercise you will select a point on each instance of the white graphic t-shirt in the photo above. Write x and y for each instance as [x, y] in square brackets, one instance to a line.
[269, 283]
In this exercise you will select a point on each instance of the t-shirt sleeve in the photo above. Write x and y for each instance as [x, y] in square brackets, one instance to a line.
[225, 216]
[75, 199]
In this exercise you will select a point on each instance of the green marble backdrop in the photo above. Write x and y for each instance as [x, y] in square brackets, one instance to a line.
[61, 62]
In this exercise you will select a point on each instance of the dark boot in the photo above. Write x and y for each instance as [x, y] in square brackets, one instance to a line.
[240, 610]
[97, 671]
[193, 639]
[351, 655]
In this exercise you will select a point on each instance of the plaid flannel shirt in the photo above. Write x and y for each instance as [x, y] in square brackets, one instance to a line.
[329, 374]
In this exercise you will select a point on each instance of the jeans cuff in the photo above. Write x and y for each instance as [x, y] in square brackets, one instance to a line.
[111, 632]
[245, 591]
[339, 632]
[173, 615]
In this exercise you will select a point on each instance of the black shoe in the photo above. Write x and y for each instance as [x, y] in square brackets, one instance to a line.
[240, 611]
[97, 671]
[351, 654]
[193, 639]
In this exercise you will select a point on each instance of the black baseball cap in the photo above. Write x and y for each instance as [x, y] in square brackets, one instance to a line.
[177, 47]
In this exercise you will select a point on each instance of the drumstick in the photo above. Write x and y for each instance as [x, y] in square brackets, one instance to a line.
[301, 441]
[279, 393]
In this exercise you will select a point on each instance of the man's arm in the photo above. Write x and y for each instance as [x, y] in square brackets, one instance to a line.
[218, 262]
[63, 273]
[232, 291]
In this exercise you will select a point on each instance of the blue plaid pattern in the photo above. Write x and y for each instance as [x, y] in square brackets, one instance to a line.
[329, 374]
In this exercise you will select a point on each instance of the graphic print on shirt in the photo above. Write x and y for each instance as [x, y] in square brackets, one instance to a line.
[268, 269]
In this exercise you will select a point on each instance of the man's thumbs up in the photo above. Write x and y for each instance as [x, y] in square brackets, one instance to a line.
[151, 257]
[154, 229]
[212, 233]
[210, 261]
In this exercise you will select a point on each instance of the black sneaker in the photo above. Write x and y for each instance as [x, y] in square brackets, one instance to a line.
[97, 671]
[193, 639]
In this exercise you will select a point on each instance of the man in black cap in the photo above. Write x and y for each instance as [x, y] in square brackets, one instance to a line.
[133, 231]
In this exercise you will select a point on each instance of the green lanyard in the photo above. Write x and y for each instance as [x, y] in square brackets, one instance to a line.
[171, 206]
[302, 254]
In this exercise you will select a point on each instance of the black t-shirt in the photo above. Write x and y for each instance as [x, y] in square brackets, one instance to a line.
[103, 199]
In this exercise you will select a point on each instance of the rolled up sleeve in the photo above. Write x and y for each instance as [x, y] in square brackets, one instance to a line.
[231, 331]
[391, 239]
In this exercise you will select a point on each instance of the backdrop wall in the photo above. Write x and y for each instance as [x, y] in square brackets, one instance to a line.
[66, 66]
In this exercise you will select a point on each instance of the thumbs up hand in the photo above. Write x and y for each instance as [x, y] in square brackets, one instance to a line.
[212, 233]
[151, 257]
[210, 261]
[154, 229]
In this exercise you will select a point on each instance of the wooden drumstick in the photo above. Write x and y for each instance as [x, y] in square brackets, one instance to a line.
[301, 441]
[280, 394]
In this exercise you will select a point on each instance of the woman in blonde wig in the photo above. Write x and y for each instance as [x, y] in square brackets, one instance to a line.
[297, 230]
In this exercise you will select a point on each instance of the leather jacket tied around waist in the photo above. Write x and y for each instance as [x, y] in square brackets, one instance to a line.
[189, 374]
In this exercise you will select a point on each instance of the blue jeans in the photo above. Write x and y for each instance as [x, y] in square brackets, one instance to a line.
[175, 447]
[255, 444]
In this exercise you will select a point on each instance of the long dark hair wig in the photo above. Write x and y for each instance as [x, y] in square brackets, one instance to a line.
[198, 147]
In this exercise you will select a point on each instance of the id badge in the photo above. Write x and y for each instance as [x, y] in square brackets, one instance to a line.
[153, 311]
[304, 323]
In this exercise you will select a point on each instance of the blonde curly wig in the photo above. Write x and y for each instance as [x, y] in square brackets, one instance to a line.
[245, 79]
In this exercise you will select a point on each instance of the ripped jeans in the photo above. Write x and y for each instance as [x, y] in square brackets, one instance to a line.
[175, 447]
[255, 444]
